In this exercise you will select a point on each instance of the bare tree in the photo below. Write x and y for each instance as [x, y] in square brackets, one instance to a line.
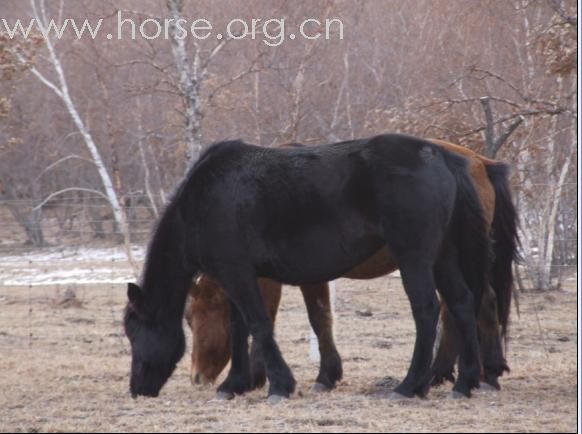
[497, 76]
[61, 88]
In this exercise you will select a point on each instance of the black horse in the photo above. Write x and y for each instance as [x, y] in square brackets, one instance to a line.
[308, 215]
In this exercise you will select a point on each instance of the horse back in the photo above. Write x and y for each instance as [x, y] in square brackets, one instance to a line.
[292, 212]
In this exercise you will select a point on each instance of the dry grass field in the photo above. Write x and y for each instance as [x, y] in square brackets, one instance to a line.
[64, 367]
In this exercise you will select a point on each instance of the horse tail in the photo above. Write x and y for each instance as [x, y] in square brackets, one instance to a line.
[505, 241]
[468, 229]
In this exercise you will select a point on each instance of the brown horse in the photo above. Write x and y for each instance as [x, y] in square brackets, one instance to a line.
[208, 311]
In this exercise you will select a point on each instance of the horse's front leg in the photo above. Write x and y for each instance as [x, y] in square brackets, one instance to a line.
[271, 293]
[242, 289]
[320, 315]
[239, 379]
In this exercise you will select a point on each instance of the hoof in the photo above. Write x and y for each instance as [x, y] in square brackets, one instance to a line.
[320, 388]
[198, 380]
[276, 399]
[224, 396]
[439, 380]
[458, 395]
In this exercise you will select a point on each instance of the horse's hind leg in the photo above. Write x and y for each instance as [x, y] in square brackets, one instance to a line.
[490, 344]
[417, 277]
[448, 350]
[242, 289]
[321, 319]
[494, 363]
[460, 302]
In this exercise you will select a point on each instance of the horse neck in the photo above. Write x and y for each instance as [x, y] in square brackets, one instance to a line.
[165, 278]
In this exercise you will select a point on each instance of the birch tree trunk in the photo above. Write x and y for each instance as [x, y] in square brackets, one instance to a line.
[555, 194]
[61, 89]
[189, 83]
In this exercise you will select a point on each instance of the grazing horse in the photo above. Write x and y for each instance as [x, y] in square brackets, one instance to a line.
[303, 216]
[207, 314]
[208, 310]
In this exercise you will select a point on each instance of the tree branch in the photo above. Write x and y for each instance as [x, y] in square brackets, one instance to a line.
[66, 190]
[503, 138]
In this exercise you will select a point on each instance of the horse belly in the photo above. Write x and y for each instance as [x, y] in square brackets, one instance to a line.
[379, 264]
[323, 253]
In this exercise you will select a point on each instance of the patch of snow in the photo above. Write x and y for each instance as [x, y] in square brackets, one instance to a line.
[114, 254]
[62, 266]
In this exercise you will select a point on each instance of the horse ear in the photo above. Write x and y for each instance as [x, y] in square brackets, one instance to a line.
[134, 294]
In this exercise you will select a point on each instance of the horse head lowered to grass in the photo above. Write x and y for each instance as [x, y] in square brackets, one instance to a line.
[305, 216]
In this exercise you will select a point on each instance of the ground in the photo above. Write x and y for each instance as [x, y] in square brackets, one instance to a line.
[65, 367]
